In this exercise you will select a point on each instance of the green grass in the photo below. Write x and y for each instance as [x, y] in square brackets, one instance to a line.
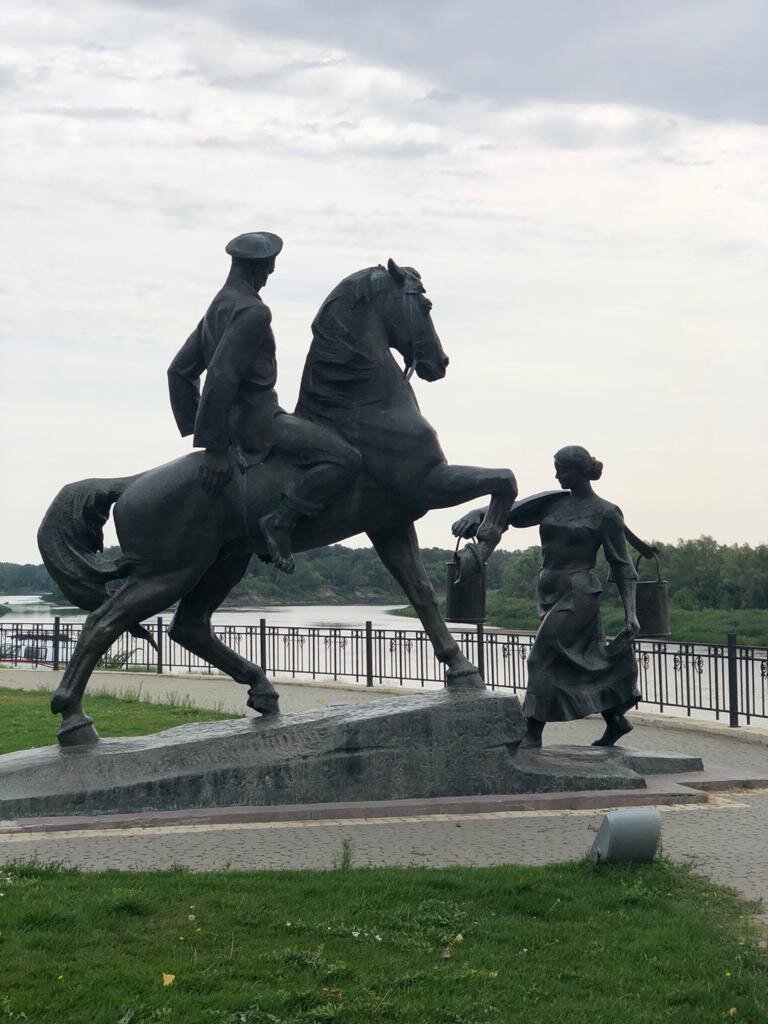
[564, 944]
[26, 719]
[712, 625]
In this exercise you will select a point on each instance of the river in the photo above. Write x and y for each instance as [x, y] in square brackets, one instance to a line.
[28, 608]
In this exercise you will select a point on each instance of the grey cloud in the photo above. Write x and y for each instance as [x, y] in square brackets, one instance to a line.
[442, 96]
[567, 133]
[8, 78]
[703, 58]
[397, 150]
[265, 79]
[109, 114]
[407, 149]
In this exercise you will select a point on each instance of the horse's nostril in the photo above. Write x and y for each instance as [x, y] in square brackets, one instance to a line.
[446, 360]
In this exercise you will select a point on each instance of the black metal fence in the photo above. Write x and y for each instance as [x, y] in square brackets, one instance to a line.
[724, 681]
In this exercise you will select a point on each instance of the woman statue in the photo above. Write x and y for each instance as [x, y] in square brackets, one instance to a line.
[572, 671]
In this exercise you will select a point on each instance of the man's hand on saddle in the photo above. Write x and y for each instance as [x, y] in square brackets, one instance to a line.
[467, 526]
[215, 472]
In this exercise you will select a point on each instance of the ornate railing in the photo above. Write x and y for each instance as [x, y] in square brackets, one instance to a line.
[726, 681]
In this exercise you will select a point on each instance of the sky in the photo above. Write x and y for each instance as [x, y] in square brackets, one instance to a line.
[583, 188]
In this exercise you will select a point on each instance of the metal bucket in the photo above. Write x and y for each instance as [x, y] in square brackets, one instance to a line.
[464, 599]
[653, 605]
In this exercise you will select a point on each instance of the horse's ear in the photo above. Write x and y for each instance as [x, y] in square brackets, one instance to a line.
[396, 273]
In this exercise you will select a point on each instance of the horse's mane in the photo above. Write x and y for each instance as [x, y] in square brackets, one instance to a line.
[362, 287]
[339, 366]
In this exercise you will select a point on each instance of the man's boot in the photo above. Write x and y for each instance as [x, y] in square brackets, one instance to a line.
[278, 525]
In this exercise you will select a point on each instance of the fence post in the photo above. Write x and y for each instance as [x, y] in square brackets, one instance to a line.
[481, 650]
[56, 637]
[160, 644]
[733, 682]
[263, 644]
[368, 653]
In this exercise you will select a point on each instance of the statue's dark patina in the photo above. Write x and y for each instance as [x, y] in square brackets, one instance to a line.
[572, 671]
[235, 346]
[188, 529]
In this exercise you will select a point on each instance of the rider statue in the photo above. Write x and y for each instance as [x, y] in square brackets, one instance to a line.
[237, 415]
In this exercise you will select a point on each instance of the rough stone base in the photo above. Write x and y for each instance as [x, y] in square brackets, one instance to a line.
[436, 745]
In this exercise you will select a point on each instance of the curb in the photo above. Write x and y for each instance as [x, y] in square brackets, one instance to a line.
[744, 734]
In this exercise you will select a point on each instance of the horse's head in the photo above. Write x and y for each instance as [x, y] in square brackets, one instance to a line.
[367, 316]
[409, 324]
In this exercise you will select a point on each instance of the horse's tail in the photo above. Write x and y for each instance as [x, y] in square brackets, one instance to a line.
[71, 541]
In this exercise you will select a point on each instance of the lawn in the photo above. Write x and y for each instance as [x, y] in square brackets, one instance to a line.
[564, 944]
[26, 719]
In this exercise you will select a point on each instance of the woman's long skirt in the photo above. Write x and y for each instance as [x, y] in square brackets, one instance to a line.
[572, 671]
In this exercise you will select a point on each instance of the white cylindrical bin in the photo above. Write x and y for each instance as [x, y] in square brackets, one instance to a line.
[631, 835]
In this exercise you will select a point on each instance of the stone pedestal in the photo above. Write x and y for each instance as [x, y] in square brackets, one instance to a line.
[462, 743]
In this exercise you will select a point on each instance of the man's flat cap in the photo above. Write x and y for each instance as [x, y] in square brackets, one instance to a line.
[255, 245]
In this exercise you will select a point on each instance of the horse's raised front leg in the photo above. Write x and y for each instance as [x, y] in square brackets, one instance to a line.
[398, 548]
[191, 627]
[445, 485]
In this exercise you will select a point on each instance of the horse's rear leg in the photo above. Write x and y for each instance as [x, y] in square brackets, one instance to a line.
[191, 627]
[398, 549]
[138, 599]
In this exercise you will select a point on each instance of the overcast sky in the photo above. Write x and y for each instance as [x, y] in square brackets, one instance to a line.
[582, 186]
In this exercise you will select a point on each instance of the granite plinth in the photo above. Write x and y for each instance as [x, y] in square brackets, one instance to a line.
[462, 743]
[644, 762]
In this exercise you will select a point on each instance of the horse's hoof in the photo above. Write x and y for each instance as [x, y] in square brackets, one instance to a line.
[266, 702]
[464, 679]
[470, 562]
[77, 731]
[60, 705]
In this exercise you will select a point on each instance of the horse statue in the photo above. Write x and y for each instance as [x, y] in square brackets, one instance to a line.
[180, 544]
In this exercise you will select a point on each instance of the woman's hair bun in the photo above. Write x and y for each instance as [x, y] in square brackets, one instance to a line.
[578, 458]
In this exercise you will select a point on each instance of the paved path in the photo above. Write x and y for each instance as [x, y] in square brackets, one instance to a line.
[726, 839]
[212, 691]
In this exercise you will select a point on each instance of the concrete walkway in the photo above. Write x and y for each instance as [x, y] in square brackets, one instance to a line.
[214, 691]
[726, 839]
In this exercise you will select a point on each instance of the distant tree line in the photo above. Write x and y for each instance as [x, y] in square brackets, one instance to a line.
[344, 575]
[700, 573]
[24, 579]
[714, 589]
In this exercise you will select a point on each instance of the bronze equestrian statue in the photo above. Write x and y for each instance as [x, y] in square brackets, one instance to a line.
[187, 543]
